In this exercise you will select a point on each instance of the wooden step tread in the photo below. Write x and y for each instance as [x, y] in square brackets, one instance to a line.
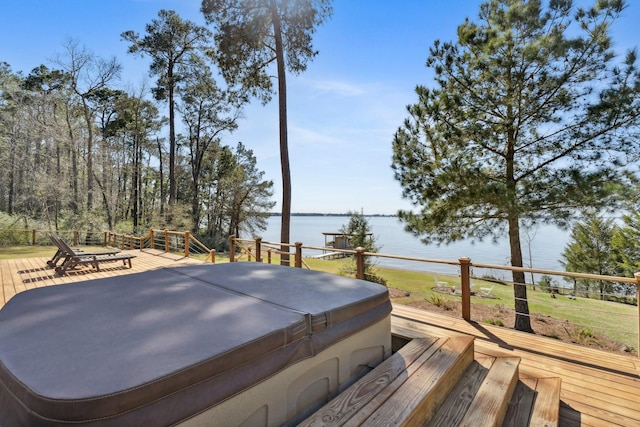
[535, 402]
[481, 397]
[403, 390]
[491, 402]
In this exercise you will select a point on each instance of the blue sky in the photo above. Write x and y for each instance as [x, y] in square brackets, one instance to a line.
[343, 111]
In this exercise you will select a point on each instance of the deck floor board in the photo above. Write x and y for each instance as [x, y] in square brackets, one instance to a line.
[598, 388]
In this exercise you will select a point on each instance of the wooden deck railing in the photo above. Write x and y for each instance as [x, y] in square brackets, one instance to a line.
[257, 249]
[169, 241]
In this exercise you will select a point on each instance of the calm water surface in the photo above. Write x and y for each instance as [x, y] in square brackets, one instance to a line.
[546, 246]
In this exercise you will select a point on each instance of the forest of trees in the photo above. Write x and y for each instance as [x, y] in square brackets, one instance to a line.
[607, 247]
[77, 152]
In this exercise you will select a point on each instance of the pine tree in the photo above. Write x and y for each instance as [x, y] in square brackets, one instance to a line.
[524, 107]
[590, 251]
[253, 34]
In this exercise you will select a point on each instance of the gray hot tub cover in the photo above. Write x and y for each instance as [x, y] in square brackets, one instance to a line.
[157, 347]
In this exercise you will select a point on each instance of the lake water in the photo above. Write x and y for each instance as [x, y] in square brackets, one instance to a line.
[546, 246]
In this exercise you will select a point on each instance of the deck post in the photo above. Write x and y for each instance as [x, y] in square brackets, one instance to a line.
[637, 276]
[186, 244]
[232, 248]
[166, 240]
[465, 286]
[360, 262]
[258, 249]
[298, 262]
[212, 254]
[75, 237]
[269, 256]
[33, 237]
[151, 242]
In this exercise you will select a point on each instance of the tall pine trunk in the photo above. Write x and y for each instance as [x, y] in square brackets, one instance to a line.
[172, 141]
[523, 320]
[284, 147]
[75, 202]
[161, 176]
[89, 123]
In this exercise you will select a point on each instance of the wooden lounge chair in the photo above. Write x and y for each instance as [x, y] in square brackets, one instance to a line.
[73, 259]
[61, 254]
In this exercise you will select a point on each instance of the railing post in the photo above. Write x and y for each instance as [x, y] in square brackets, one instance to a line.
[166, 240]
[298, 261]
[104, 239]
[212, 254]
[249, 254]
[33, 237]
[269, 256]
[131, 247]
[465, 285]
[637, 276]
[232, 248]
[152, 244]
[360, 262]
[75, 237]
[186, 244]
[258, 249]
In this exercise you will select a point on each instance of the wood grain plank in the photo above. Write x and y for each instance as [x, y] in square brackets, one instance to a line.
[360, 418]
[491, 402]
[353, 399]
[8, 287]
[521, 404]
[422, 393]
[547, 405]
[457, 403]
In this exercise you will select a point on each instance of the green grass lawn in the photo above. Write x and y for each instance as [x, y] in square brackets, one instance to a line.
[618, 321]
[12, 252]
[615, 320]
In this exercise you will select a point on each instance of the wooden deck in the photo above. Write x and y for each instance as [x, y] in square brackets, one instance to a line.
[598, 388]
[18, 275]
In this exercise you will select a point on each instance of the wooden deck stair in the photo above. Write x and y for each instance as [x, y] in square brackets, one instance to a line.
[437, 382]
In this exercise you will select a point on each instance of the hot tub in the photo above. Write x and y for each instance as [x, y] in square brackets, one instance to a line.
[228, 344]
